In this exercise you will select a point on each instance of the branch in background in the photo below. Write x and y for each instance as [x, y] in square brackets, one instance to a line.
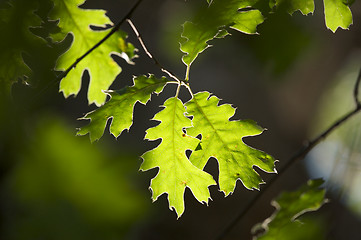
[356, 89]
[298, 155]
[156, 62]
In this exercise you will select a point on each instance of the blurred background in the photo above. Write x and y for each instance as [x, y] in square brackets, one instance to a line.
[295, 78]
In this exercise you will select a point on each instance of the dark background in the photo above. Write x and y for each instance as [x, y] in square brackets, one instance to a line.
[57, 186]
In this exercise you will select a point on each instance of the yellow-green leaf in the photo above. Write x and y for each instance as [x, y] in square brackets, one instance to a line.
[337, 14]
[176, 172]
[304, 6]
[121, 106]
[222, 139]
[102, 68]
[214, 20]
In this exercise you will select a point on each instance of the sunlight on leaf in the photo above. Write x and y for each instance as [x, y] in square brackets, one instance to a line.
[304, 6]
[222, 139]
[220, 15]
[176, 172]
[337, 14]
[102, 68]
[121, 106]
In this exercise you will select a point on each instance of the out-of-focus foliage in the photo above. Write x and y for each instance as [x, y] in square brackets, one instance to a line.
[284, 223]
[16, 19]
[53, 174]
[337, 158]
[63, 187]
[279, 48]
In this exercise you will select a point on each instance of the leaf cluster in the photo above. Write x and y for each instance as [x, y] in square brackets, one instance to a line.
[190, 133]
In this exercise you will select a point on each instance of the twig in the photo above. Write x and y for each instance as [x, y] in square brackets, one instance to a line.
[356, 89]
[186, 84]
[300, 154]
[114, 29]
[65, 73]
[156, 62]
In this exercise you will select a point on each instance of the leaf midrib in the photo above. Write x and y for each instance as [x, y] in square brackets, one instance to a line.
[210, 123]
[76, 25]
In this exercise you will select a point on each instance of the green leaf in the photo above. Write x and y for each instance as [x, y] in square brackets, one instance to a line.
[176, 172]
[208, 25]
[290, 206]
[222, 139]
[102, 68]
[304, 6]
[337, 14]
[16, 18]
[120, 107]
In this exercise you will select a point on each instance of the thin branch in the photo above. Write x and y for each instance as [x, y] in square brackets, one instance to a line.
[178, 89]
[156, 62]
[114, 29]
[187, 73]
[65, 73]
[300, 154]
[189, 88]
[356, 89]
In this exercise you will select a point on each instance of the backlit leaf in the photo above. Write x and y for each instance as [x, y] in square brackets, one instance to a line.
[304, 6]
[337, 14]
[208, 25]
[176, 172]
[120, 107]
[289, 207]
[222, 139]
[102, 68]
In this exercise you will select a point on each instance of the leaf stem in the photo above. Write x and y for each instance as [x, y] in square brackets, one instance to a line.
[187, 73]
[300, 154]
[156, 62]
[189, 88]
[178, 89]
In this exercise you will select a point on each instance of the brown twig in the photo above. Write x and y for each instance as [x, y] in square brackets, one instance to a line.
[300, 154]
[151, 56]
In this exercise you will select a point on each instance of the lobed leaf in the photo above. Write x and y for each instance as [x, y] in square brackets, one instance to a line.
[16, 19]
[102, 68]
[208, 25]
[337, 14]
[289, 207]
[176, 172]
[222, 139]
[120, 107]
[304, 6]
